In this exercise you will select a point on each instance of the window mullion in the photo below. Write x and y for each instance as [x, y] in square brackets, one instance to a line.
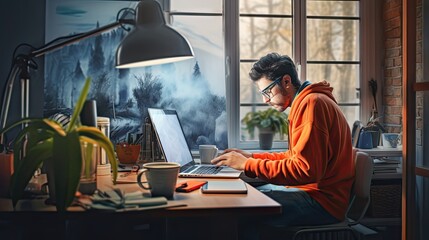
[166, 6]
[300, 37]
[232, 69]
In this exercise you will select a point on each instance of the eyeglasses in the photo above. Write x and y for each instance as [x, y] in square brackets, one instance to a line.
[266, 92]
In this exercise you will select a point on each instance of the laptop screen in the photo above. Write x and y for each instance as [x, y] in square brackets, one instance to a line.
[170, 135]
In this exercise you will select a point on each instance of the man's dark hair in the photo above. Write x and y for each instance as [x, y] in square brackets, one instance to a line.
[274, 65]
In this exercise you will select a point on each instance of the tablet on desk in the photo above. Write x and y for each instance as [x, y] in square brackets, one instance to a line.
[224, 187]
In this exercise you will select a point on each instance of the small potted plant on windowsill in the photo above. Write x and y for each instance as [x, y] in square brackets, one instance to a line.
[47, 142]
[268, 122]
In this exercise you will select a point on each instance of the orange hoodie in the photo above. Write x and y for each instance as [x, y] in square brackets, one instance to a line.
[320, 156]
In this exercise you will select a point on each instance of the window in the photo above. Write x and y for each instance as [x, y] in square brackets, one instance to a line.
[201, 21]
[332, 38]
[323, 37]
[265, 26]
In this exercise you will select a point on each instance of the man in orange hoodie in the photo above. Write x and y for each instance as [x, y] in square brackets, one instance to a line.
[313, 178]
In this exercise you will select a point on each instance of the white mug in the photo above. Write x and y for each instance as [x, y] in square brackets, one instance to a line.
[161, 178]
[207, 153]
[390, 140]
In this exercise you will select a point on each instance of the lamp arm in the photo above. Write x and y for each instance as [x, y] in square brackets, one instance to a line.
[77, 38]
[7, 95]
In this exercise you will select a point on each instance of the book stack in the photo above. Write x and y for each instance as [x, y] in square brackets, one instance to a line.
[387, 165]
[151, 150]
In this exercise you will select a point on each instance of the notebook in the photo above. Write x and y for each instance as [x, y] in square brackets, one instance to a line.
[174, 147]
[224, 187]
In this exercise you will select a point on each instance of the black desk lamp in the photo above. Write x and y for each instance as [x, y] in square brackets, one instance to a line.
[151, 42]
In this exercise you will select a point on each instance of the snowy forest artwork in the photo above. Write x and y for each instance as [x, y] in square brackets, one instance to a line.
[194, 88]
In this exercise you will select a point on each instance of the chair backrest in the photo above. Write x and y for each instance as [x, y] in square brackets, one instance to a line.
[361, 188]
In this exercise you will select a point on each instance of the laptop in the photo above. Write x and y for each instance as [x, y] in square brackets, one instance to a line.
[174, 147]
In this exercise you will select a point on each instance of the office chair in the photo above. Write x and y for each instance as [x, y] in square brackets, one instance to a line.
[358, 206]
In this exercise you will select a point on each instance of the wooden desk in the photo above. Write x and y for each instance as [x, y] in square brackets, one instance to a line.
[215, 216]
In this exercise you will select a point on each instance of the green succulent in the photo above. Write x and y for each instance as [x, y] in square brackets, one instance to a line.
[269, 118]
[47, 141]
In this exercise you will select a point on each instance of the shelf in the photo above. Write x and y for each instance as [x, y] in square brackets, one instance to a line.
[383, 152]
[421, 86]
[380, 176]
[380, 179]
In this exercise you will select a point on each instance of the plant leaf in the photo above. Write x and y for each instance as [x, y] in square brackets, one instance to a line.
[22, 175]
[54, 126]
[88, 158]
[67, 163]
[22, 121]
[47, 141]
[35, 138]
[266, 123]
[79, 104]
[269, 118]
[38, 130]
[373, 86]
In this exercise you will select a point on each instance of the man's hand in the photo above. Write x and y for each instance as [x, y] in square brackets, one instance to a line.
[244, 153]
[234, 158]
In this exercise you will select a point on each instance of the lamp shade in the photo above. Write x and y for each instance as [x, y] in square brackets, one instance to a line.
[152, 41]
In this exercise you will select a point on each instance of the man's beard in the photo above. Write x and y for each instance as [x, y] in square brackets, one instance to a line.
[280, 106]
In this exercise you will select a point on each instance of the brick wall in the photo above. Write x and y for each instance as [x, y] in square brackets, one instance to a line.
[419, 72]
[392, 91]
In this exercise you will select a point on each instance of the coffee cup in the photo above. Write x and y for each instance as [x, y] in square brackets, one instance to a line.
[161, 178]
[207, 153]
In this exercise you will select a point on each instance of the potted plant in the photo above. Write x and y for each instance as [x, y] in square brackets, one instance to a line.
[45, 141]
[268, 122]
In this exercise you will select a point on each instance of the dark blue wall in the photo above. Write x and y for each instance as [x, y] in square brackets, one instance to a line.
[22, 21]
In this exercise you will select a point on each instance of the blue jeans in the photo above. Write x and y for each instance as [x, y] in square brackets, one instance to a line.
[298, 208]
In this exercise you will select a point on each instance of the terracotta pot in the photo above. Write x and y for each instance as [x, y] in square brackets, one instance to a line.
[128, 153]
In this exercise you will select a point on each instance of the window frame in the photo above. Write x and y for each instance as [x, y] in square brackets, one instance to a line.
[370, 61]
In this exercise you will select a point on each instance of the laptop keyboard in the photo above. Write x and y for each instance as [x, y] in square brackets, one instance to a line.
[203, 170]
[207, 170]
[189, 169]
